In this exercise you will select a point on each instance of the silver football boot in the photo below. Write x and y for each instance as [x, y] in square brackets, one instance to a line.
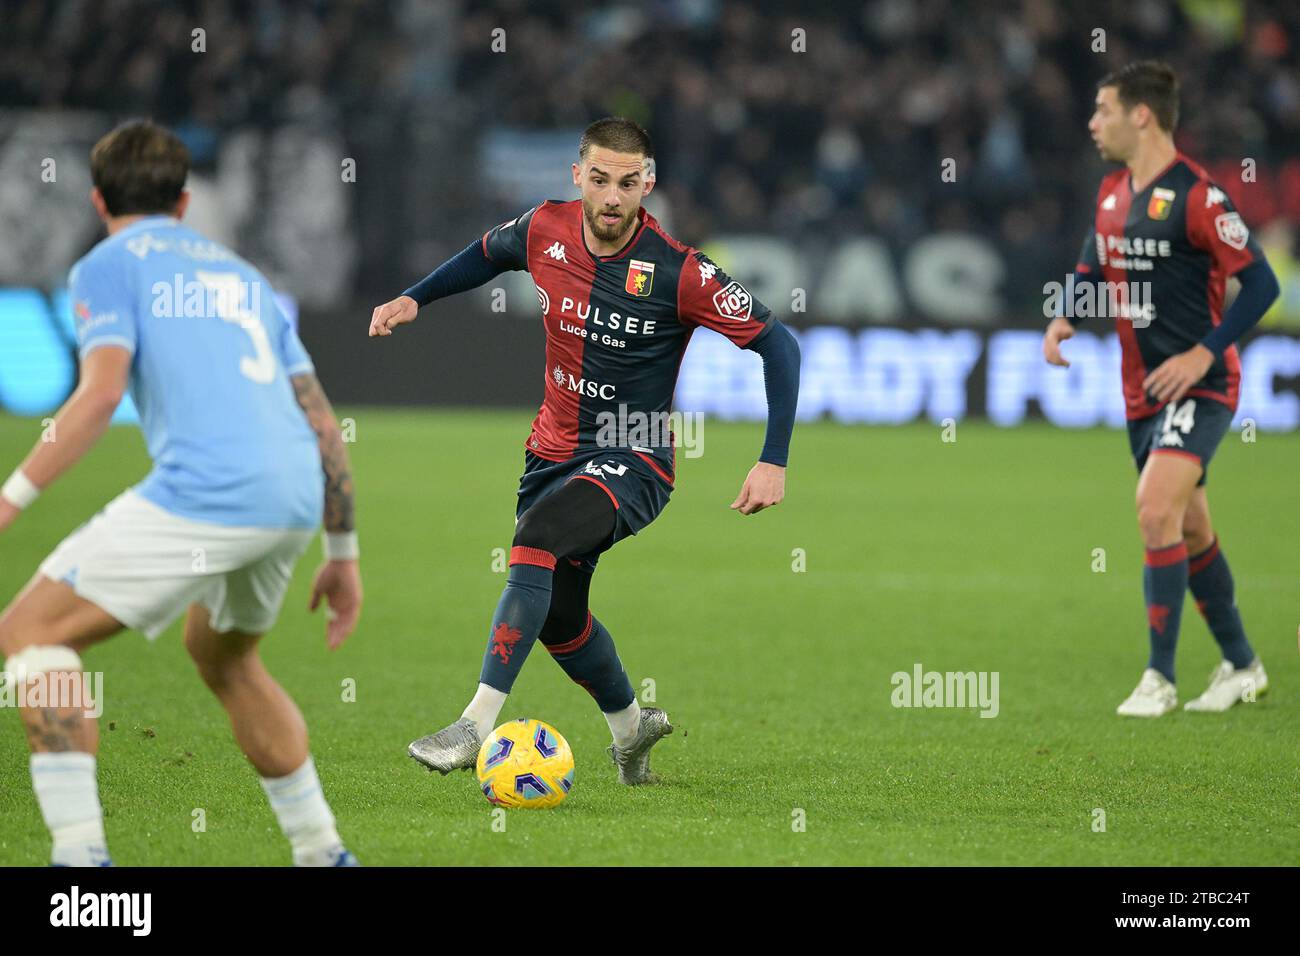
[455, 747]
[633, 762]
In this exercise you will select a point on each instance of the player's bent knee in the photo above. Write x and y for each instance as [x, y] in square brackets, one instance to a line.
[1159, 522]
[40, 659]
[1157, 516]
[15, 638]
[221, 671]
[574, 520]
[219, 665]
[15, 635]
[536, 529]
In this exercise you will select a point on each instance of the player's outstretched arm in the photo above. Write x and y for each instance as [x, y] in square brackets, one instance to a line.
[466, 270]
[391, 314]
[78, 425]
[765, 484]
[338, 580]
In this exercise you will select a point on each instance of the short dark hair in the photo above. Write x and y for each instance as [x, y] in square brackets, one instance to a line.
[616, 133]
[139, 167]
[1150, 82]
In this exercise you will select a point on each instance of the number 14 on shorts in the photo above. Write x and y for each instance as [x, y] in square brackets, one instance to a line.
[1179, 420]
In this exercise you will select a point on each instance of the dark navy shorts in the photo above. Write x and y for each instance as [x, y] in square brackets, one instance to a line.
[638, 489]
[1192, 428]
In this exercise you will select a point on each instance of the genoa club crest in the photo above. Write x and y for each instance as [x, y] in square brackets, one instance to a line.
[640, 276]
[1162, 200]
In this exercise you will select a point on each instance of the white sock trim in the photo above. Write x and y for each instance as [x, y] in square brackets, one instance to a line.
[299, 805]
[625, 723]
[68, 795]
[485, 709]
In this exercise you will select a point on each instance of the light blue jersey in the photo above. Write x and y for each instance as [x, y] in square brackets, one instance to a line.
[210, 375]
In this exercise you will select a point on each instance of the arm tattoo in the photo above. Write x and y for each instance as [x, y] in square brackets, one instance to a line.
[333, 453]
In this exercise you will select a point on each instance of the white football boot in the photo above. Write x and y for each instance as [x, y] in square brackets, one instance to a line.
[633, 761]
[455, 747]
[1229, 685]
[1154, 696]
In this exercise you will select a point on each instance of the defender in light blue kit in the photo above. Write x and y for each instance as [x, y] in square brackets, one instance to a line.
[247, 457]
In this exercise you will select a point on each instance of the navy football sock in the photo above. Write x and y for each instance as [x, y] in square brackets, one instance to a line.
[1164, 579]
[591, 661]
[1212, 586]
[520, 615]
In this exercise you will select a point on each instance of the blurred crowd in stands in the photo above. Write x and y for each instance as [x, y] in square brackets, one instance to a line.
[807, 121]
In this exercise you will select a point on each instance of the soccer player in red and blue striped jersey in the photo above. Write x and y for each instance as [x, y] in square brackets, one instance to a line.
[620, 300]
[1164, 241]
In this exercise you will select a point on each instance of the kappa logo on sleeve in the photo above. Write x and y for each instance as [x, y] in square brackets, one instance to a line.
[707, 271]
[733, 301]
[1232, 229]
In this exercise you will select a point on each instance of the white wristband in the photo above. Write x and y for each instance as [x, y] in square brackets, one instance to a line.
[19, 490]
[341, 546]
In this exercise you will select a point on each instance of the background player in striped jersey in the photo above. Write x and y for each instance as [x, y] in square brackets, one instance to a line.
[620, 299]
[239, 431]
[1166, 235]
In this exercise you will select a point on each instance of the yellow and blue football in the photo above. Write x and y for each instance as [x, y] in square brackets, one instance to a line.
[525, 763]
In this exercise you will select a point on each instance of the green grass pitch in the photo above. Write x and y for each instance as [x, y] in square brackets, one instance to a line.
[974, 555]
